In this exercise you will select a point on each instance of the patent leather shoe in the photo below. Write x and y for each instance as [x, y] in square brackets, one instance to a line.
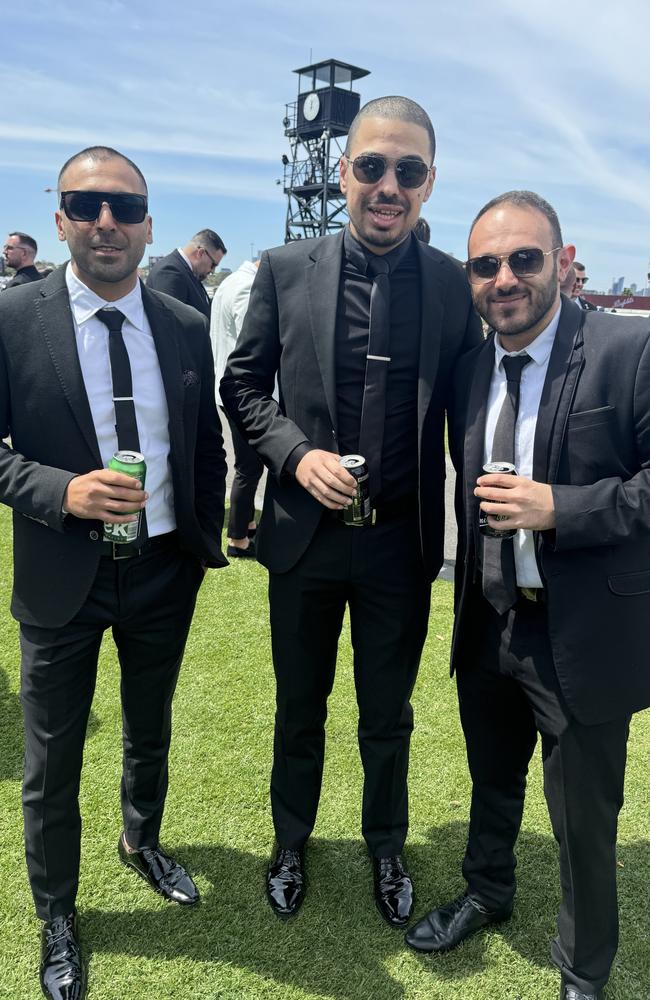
[443, 929]
[162, 873]
[285, 882]
[63, 976]
[570, 992]
[236, 552]
[393, 890]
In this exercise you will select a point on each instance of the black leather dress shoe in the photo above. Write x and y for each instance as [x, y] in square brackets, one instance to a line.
[285, 882]
[63, 976]
[162, 873]
[235, 552]
[393, 890]
[569, 992]
[443, 929]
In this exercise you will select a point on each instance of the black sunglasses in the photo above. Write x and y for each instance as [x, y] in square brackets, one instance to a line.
[523, 263]
[85, 206]
[214, 262]
[368, 168]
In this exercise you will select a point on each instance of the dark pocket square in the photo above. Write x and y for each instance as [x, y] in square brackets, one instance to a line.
[190, 378]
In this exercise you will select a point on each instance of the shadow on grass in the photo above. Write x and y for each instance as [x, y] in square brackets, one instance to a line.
[12, 744]
[12, 739]
[337, 946]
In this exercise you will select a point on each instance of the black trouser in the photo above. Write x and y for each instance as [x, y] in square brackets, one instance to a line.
[248, 472]
[148, 601]
[508, 692]
[378, 573]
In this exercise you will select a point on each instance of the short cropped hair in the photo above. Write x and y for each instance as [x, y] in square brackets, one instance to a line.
[402, 109]
[99, 153]
[578, 266]
[210, 238]
[27, 241]
[526, 199]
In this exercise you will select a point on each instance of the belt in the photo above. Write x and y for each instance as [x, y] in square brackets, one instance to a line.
[537, 595]
[384, 512]
[121, 550]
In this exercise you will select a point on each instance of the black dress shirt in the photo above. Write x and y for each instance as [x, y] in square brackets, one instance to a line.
[400, 448]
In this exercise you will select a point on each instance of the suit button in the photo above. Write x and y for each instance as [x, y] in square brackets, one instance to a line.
[94, 535]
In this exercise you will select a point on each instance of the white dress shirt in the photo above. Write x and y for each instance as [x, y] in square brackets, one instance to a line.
[532, 383]
[149, 397]
[229, 306]
[186, 259]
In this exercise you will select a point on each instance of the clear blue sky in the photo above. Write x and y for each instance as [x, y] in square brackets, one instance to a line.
[552, 97]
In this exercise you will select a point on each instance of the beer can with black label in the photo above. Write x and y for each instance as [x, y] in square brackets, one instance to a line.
[359, 512]
[131, 463]
[503, 469]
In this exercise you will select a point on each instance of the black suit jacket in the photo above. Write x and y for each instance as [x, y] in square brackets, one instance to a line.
[24, 276]
[45, 410]
[173, 276]
[290, 329]
[592, 443]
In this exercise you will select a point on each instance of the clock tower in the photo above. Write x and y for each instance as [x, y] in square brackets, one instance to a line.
[316, 125]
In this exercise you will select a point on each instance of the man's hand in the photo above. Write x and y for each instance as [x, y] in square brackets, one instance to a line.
[525, 503]
[324, 477]
[104, 495]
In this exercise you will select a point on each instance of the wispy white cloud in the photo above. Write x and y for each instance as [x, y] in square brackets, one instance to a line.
[549, 97]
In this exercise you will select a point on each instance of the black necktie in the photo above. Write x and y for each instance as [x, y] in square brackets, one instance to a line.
[125, 421]
[499, 574]
[373, 412]
[126, 425]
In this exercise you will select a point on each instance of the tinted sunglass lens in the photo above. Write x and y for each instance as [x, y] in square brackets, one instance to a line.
[526, 262]
[411, 173]
[483, 268]
[128, 208]
[81, 206]
[368, 169]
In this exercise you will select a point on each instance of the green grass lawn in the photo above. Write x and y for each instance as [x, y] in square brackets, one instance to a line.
[218, 823]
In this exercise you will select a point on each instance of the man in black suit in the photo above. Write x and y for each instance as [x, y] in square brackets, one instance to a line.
[580, 282]
[20, 252]
[363, 330]
[68, 408]
[550, 632]
[182, 272]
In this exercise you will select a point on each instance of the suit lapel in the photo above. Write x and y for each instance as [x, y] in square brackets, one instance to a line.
[57, 326]
[564, 366]
[323, 274]
[166, 336]
[474, 448]
[431, 299]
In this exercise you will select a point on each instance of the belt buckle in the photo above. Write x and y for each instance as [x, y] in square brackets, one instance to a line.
[118, 547]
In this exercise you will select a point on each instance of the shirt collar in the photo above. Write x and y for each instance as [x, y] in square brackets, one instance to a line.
[185, 258]
[85, 303]
[539, 350]
[358, 256]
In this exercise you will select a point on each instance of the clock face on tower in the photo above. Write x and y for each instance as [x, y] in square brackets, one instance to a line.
[311, 106]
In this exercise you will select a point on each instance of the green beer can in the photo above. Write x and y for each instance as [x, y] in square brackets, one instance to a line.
[131, 463]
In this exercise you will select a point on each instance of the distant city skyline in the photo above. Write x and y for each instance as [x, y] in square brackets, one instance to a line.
[196, 96]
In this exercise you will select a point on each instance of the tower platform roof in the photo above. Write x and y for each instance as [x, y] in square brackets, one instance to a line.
[355, 71]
